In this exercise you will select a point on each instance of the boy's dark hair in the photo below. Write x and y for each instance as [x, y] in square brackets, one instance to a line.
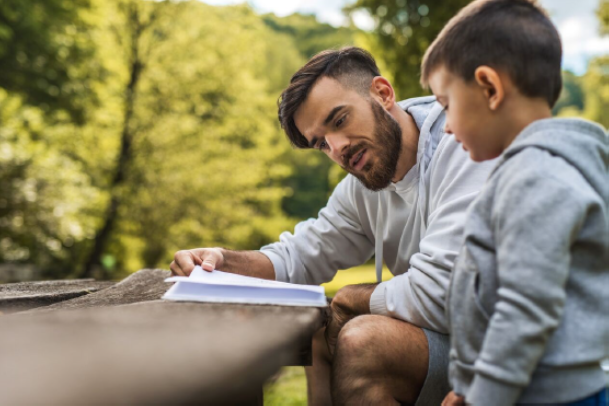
[515, 36]
[353, 67]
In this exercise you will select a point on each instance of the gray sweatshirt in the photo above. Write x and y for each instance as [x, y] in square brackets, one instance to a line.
[415, 225]
[528, 303]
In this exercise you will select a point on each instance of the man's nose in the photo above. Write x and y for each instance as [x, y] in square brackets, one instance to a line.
[447, 128]
[338, 144]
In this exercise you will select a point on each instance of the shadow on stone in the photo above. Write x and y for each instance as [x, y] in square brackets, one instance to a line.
[15, 297]
[142, 286]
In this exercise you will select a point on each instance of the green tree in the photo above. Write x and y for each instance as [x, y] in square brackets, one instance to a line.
[403, 31]
[596, 79]
[204, 161]
[572, 94]
[44, 47]
[309, 35]
[193, 101]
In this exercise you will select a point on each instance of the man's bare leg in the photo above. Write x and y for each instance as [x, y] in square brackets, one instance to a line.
[379, 360]
[318, 374]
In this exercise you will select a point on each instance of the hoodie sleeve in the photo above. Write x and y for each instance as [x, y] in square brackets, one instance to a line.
[418, 296]
[536, 219]
[320, 247]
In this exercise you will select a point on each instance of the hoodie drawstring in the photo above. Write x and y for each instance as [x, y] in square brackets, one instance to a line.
[378, 243]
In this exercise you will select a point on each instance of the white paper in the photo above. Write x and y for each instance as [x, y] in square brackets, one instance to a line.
[224, 287]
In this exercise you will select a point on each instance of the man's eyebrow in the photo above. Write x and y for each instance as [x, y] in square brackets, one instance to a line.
[332, 114]
[313, 142]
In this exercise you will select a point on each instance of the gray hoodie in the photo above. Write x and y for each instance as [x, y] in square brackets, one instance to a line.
[415, 225]
[528, 304]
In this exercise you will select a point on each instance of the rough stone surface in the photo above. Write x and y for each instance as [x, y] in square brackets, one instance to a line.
[156, 352]
[142, 286]
[28, 295]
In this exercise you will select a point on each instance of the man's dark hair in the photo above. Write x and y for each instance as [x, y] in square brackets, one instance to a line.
[513, 36]
[353, 67]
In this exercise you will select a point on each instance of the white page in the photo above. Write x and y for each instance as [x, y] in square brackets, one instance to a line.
[198, 275]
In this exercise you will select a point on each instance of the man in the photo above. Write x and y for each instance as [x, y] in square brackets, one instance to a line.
[404, 201]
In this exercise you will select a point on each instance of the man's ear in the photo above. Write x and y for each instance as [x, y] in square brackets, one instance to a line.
[489, 80]
[381, 89]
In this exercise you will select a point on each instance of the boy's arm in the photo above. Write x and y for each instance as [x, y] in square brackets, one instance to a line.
[320, 247]
[536, 217]
[418, 296]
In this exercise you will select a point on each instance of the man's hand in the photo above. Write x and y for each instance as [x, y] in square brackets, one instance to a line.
[185, 261]
[349, 302]
[452, 399]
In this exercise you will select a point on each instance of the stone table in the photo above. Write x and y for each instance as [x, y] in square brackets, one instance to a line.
[15, 297]
[120, 345]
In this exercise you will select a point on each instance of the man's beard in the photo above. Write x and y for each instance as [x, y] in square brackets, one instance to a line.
[385, 153]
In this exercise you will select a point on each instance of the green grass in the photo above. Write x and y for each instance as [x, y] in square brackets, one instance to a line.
[353, 276]
[290, 388]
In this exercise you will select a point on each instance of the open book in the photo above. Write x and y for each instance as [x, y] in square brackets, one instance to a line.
[222, 287]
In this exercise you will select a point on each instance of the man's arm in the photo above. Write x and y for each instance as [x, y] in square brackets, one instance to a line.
[248, 263]
[335, 240]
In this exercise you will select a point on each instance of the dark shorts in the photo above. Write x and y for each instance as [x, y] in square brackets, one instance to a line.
[601, 398]
[436, 387]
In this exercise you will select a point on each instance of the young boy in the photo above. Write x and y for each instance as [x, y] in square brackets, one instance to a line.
[528, 304]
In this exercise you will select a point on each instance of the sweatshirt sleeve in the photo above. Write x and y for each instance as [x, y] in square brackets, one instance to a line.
[320, 247]
[535, 219]
[418, 296]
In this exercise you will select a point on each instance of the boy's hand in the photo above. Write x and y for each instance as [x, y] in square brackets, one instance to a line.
[350, 301]
[185, 261]
[452, 399]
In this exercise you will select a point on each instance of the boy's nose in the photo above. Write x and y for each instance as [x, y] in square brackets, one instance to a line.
[447, 129]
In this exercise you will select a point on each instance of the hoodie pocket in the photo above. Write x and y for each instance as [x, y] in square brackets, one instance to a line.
[468, 320]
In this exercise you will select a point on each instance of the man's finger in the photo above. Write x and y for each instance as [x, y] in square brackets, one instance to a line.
[175, 269]
[185, 262]
[209, 264]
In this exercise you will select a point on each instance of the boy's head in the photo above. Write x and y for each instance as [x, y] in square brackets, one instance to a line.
[338, 103]
[496, 65]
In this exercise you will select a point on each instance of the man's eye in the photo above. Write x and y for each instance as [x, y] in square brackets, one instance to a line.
[446, 107]
[340, 121]
[322, 145]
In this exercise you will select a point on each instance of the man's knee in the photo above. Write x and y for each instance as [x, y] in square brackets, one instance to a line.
[356, 340]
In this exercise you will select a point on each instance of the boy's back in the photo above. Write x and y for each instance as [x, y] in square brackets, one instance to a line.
[533, 271]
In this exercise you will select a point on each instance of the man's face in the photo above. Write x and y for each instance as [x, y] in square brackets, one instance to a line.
[468, 116]
[355, 132]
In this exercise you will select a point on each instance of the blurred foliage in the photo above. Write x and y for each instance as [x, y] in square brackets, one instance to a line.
[189, 108]
[588, 96]
[130, 129]
[603, 16]
[403, 31]
[310, 36]
[572, 94]
[45, 51]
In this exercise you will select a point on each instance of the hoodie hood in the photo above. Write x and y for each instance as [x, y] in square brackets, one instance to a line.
[583, 144]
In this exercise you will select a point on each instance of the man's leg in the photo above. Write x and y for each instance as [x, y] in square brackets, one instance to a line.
[318, 374]
[379, 360]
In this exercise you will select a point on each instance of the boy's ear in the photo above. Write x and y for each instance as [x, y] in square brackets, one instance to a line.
[490, 82]
[381, 89]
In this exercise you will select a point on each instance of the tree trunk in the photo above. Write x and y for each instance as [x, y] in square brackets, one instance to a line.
[93, 266]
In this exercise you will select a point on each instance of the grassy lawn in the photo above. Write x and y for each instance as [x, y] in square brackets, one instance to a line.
[290, 388]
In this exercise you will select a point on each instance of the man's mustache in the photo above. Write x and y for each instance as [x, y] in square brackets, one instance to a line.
[350, 154]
